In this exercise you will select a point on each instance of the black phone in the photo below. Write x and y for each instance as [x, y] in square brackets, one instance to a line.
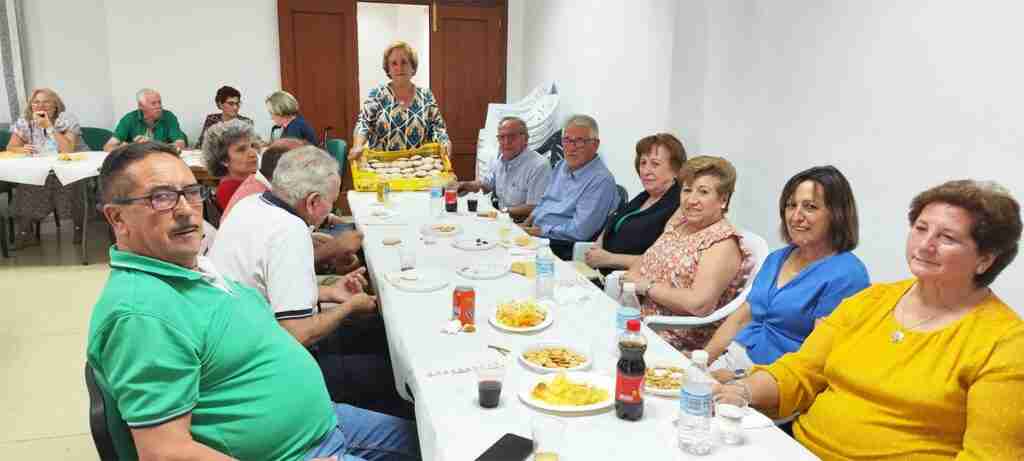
[509, 447]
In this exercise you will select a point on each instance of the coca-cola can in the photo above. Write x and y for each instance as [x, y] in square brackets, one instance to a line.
[464, 304]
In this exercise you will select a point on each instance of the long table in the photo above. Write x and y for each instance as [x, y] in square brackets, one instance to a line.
[451, 424]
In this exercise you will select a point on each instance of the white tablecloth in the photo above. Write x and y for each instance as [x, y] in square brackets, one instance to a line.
[34, 170]
[451, 425]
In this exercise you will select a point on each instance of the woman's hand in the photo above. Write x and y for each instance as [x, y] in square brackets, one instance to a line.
[599, 257]
[43, 119]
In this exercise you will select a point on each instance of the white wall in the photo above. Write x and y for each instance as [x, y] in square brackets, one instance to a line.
[66, 49]
[380, 24]
[900, 96]
[614, 61]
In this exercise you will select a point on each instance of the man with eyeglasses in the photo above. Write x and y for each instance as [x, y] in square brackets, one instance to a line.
[194, 362]
[149, 123]
[581, 194]
[519, 176]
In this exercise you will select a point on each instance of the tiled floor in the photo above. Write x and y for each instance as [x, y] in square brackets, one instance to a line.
[46, 297]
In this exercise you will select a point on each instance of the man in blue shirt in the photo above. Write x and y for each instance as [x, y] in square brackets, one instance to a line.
[581, 193]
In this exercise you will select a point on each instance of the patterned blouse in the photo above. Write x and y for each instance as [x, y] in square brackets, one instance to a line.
[32, 134]
[214, 119]
[674, 258]
[387, 125]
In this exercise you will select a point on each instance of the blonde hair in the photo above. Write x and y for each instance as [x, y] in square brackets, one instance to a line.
[713, 166]
[283, 104]
[414, 60]
[49, 92]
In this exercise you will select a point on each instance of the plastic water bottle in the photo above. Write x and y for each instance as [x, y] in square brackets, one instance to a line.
[629, 307]
[694, 428]
[545, 271]
[436, 198]
[50, 146]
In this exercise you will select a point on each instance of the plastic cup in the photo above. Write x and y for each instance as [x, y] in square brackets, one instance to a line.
[729, 411]
[406, 258]
[489, 378]
[548, 438]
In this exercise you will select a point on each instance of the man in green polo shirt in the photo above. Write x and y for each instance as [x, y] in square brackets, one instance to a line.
[195, 365]
[149, 123]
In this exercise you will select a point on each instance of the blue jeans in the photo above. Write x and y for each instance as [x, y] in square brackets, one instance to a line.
[365, 435]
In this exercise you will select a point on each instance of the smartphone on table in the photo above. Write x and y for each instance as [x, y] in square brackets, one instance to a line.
[509, 447]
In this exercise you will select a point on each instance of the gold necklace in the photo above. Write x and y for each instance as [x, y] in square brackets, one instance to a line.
[897, 336]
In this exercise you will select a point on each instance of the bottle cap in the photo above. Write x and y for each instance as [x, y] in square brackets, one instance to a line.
[634, 325]
[699, 356]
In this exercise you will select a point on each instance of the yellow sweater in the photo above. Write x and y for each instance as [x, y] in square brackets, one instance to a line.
[955, 393]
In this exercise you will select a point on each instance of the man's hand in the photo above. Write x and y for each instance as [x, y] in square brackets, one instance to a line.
[723, 376]
[320, 238]
[140, 139]
[350, 241]
[363, 303]
[533, 231]
[355, 281]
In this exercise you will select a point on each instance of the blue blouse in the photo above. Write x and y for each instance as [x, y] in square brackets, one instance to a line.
[299, 128]
[783, 317]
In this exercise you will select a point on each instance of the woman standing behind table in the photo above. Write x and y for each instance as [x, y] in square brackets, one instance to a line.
[284, 112]
[634, 227]
[231, 153]
[46, 128]
[229, 101]
[800, 283]
[698, 264]
[929, 368]
[399, 115]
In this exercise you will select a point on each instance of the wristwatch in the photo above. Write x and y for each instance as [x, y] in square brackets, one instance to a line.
[739, 374]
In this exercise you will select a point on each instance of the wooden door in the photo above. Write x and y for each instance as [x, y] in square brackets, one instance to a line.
[319, 65]
[468, 48]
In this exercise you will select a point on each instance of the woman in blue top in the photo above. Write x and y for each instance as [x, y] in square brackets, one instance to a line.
[284, 112]
[797, 284]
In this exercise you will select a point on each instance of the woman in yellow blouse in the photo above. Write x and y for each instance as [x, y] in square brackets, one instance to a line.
[930, 368]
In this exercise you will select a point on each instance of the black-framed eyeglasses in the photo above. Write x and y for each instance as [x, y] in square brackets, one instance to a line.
[577, 142]
[167, 199]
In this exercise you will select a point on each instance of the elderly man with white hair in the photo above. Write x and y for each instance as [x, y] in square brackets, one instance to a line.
[150, 122]
[267, 245]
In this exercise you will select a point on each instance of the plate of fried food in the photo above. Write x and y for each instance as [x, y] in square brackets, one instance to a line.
[70, 157]
[569, 392]
[441, 229]
[522, 241]
[664, 380]
[549, 357]
[523, 316]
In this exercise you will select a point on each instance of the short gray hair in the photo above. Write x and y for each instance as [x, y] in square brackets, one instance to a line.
[282, 103]
[218, 140]
[522, 124]
[585, 121]
[303, 171]
[143, 92]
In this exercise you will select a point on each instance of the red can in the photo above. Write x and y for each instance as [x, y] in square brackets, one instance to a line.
[451, 200]
[464, 304]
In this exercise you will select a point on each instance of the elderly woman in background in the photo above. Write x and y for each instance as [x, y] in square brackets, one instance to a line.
[229, 101]
[46, 127]
[284, 112]
[799, 283]
[399, 115]
[231, 153]
[634, 227]
[929, 368]
[698, 264]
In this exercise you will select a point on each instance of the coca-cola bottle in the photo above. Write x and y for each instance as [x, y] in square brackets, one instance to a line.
[629, 381]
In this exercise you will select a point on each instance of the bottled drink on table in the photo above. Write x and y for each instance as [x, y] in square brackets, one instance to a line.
[436, 198]
[694, 428]
[629, 381]
[50, 146]
[451, 198]
[545, 261]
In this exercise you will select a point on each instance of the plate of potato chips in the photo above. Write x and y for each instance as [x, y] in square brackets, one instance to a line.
[664, 380]
[521, 316]
[569, 392]
[549, 357]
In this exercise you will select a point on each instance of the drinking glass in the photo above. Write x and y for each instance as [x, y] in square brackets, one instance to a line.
[548, 438]
[729, 410]
[489, 378]
[406, 257]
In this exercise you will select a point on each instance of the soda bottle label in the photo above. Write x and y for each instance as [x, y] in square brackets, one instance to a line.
[628, 389]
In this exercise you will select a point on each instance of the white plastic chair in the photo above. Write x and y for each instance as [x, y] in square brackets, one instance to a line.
[209, 235]
[758, 248]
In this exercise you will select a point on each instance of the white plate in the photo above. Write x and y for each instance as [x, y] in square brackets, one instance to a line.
[474, 244]
[484, 271]
[664, 392]
[425, 281]
[546, 344]
[605, 382]
[428, 229]
[383, 213]
[512, 245]
[540, 326]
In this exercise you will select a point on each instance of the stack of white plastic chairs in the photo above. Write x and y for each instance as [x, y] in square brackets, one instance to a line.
[539, 109]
